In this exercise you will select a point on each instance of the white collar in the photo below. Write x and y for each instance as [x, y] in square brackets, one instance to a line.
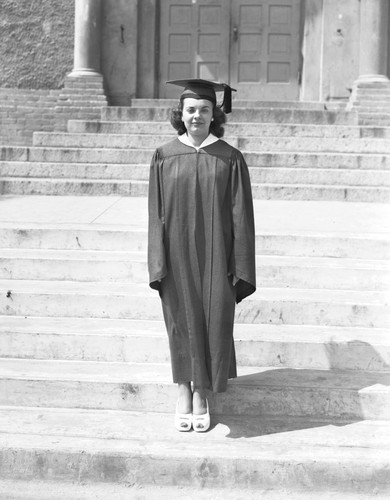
[210, 139]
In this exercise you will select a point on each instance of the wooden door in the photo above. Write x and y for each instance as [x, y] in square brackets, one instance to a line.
[194, 41]
[265, 49]
[251, 44]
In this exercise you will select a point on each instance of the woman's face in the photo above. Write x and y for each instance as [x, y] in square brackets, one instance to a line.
[197, 115]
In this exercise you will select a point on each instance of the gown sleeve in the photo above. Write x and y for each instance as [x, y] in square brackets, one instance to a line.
[156, 251]
[243, 266]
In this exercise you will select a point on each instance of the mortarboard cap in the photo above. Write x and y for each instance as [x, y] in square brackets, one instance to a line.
[204, 89]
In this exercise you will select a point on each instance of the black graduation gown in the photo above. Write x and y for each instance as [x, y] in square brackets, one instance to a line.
[201, 254]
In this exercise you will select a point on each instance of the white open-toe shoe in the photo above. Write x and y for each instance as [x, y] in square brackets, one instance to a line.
[183, 421]
[201, 423]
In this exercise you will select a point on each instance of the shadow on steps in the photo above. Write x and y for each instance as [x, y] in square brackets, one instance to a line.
[281, 400]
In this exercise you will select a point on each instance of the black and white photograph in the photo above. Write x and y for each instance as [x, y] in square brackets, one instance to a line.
[194, 249]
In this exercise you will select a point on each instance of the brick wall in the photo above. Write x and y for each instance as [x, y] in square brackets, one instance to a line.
[24, 111]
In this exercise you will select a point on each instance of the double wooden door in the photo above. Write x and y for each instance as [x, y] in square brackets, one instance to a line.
[251, 44]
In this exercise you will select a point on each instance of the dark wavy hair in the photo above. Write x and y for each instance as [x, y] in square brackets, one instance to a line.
[216, 126]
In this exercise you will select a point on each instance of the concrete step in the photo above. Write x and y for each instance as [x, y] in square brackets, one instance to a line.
[257, 391]
[90, 237]
[260, 115]
[89, 82]
[237, 103]
[266, 175]
[231, 128]
[24, 95]
[22, 106]
[313, 144]
[127, 449]
[90, 111]
[94, 187]
[336, 222]
[69, 187]
[47, 490]
[306, 192]
[318, 160]
[98, 91]
[375, 131]
[119, 300]
[374, 118]
[374, 107]
[374, 86]
[381, 95]
[143, 341]
[81, 104]
[76, 95]
[145, 141]
[131, 267]
[254, 159]
[73, 265]
[129, 239]
[121, 141]
[90, 155]
[322, 176]
[117, 171]
[14, 153]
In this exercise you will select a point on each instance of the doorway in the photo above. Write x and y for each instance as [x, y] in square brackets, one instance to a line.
[251, 44]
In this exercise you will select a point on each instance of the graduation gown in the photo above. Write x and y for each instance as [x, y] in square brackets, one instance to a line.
[201, 254]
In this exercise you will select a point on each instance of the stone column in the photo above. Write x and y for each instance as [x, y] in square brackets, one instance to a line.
[374, 20]
[87, 38]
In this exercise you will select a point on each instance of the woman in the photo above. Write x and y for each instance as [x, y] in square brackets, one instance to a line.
[201, 251]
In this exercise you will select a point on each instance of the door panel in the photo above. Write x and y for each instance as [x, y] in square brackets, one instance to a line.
[178, 46]
[265, 49]
[194, 41]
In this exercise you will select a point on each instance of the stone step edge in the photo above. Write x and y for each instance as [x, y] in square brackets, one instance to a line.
[125, 228]
[332, 263]
[152, 101]
[229, 124]
[139, 290]
[168, 136]
[358, 146]
[141, 182]
[243, 332]
[302, 183]
[82, 165]
[49, 489]
[102, 460]
[170, 133]
[148, 373]
[105, 417]
[257, 391]
[26, 150]
[332, 395]
[242, 107]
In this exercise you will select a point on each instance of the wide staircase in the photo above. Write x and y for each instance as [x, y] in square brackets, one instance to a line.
[298, 153]
[86, 392]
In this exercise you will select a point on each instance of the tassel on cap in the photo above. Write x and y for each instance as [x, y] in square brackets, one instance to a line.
[227, 100]
[205, 89]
